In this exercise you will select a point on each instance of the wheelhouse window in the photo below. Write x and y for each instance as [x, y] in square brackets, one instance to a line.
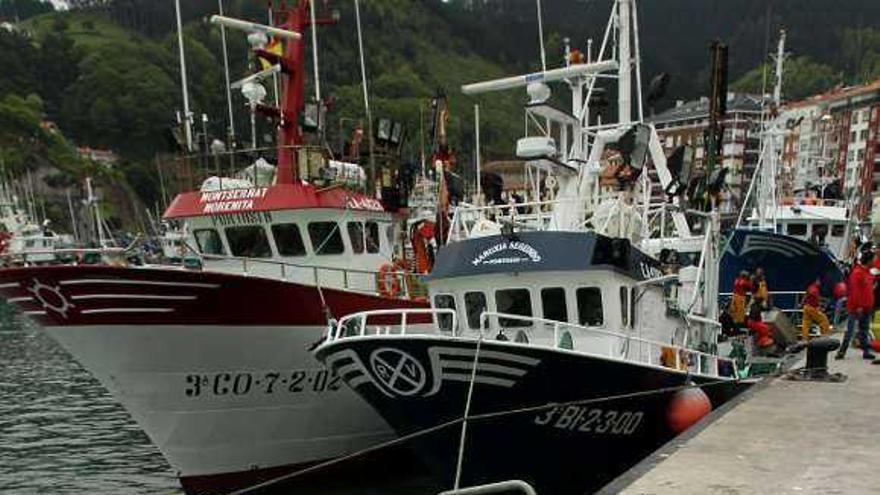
[248, 241]
[326, 238]
[624, 306]
[514, 302]
[372, 238]
[798, 229]
[553, 304]
[837, 230]
[589, 302]
[288, 239]
[474, 306]
[356, 234]
[444, 320]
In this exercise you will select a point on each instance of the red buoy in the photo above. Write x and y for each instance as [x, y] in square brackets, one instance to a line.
[687, 407]
[840, 290]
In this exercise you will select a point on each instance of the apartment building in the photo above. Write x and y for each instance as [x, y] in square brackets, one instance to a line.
[687, 123]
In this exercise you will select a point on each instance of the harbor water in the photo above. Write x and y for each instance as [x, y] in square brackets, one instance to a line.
[60, 431]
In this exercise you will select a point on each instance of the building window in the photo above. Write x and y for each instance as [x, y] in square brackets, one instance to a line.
[209, 241]
[326, 238]
[248, 241]
[589, 302]
[553, 304]
[474, 306]
[514, 302]
[288, 239]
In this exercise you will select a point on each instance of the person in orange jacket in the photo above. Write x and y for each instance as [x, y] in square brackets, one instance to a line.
[741, 288]
[812, 313]
[763, 333]
[859, 304]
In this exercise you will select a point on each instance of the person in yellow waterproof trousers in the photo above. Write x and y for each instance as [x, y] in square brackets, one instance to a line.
[741, 288]
[812, 313]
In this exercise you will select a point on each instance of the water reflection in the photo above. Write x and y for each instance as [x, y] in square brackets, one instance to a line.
[60, 431]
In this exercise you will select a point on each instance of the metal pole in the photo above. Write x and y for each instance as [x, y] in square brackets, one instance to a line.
[624, 98]
[315, 51]
[635, 30]
[477, 131]
[186, 115]
[541, 37]
[231, 130]
[72, 217]
[357, 13]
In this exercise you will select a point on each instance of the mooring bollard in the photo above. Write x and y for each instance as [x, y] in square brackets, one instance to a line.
[816, 368]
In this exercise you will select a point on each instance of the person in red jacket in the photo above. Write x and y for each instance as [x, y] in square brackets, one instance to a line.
[859, 304]
[812, 313]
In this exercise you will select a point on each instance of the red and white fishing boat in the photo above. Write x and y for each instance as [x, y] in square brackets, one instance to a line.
[215, 364]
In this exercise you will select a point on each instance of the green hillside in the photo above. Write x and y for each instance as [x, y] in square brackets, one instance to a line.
[107, 72]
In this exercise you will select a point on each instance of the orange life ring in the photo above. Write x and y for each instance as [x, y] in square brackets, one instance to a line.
[386, 288]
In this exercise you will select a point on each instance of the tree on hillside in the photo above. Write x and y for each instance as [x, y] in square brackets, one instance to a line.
[860, 51]
[19, 10]
[17, 54]
[803, 77]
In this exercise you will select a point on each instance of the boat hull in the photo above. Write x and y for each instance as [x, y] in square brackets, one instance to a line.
[216, 369]
[422, 382]
[790, 264]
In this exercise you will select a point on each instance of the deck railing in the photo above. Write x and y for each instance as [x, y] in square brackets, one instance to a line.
[578, 338]
[355, 279]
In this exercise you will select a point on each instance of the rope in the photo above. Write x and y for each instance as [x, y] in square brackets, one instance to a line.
[477, 417]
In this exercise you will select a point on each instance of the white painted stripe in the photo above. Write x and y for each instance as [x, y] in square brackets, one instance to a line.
[82, 297]
[488, 380]
[20, 299]
[126, 310]
[10, 285]
[30, 313]
[137, 282]
[501, 356]
[358, 381]
[494, 368]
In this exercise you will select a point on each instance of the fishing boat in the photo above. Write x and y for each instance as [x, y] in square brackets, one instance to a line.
[794, 240]
[215, 364]
[557, 351]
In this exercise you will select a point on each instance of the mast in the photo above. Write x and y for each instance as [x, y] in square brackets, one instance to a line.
[187, 129]
[624, 70]
[231, 130]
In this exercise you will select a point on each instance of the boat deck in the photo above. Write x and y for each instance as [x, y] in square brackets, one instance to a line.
[785, 437]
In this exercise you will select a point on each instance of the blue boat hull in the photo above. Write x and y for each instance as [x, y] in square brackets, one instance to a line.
[790, 264]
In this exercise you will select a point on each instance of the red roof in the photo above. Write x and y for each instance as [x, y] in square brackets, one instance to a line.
[278, 197]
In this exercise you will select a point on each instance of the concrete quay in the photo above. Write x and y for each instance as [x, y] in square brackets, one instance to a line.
[785, 437]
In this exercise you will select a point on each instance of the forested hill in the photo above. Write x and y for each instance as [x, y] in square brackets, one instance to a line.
[106, 70]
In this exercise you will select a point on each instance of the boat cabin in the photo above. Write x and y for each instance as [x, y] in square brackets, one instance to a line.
[824, 225]
[546, 283]
[294, 232]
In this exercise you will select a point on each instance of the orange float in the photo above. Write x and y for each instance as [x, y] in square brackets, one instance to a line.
[687, 406]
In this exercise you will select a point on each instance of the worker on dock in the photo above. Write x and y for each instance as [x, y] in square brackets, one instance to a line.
[741, 288]
[859, 304]
[811, 312]
[759, 285]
